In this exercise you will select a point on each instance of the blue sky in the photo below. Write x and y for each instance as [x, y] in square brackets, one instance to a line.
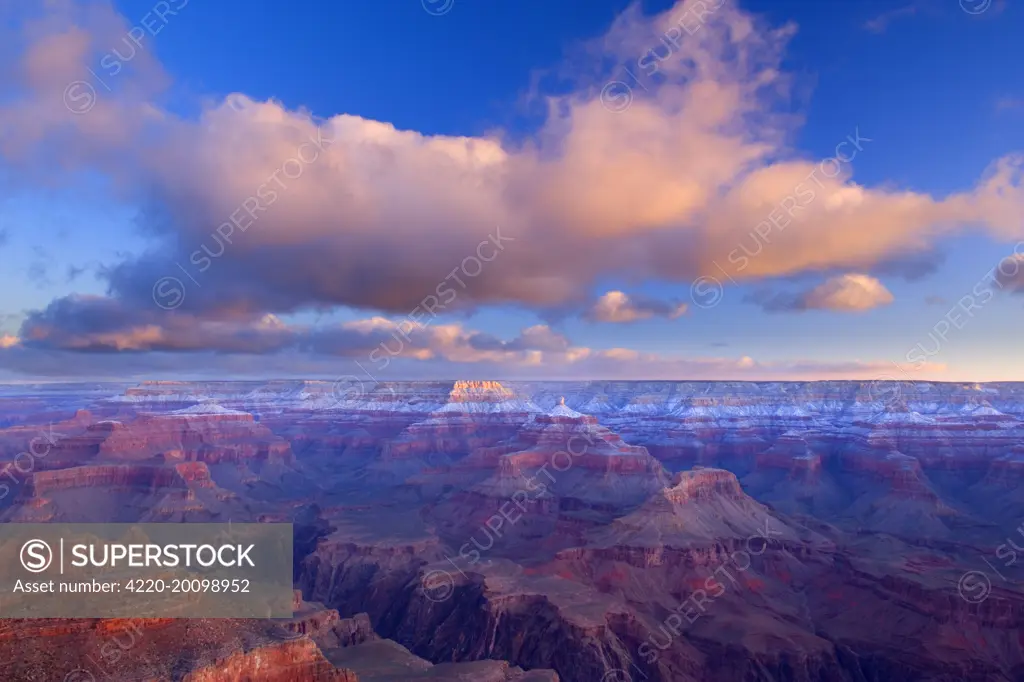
[936, 89]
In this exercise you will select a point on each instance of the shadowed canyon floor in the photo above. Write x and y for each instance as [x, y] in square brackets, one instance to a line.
[590, 531]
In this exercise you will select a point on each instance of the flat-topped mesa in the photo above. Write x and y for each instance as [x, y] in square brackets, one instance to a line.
[477, 391]
[164, 394]
[148, 389]
[478, 414]
[703, 484]
[484, 398]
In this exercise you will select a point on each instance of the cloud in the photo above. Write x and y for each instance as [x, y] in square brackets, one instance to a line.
[850, 292]
[1009, 274]
[578, 364]
[539, 337]
[271, 211]
[100, 337]
[105, 325]
[844, 293]
[99, 324]
[615, 306]
[316, 213]
[911, 267]
[380, 340]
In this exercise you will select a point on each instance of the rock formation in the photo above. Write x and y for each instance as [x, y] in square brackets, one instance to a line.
[531, 531]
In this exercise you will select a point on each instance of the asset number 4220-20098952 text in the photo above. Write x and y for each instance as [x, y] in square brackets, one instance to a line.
[188, 585]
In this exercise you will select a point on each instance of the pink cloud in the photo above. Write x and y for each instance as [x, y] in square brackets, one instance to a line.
[850, 293]
[275, 210]
[619, 307]
[666, 188]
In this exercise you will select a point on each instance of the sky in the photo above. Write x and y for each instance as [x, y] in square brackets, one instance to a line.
[577, 189]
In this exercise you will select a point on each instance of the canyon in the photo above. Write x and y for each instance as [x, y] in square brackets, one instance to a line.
[537, 531]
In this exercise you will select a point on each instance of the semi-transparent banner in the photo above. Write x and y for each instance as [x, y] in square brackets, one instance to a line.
[146, 570]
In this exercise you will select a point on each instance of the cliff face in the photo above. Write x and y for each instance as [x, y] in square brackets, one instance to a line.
[118, 492]
[528, 618]
[141, 477]
[312, 647]
[206, 437]
[294, 661]
[468, 624]
[159, 650]
[211, 437]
